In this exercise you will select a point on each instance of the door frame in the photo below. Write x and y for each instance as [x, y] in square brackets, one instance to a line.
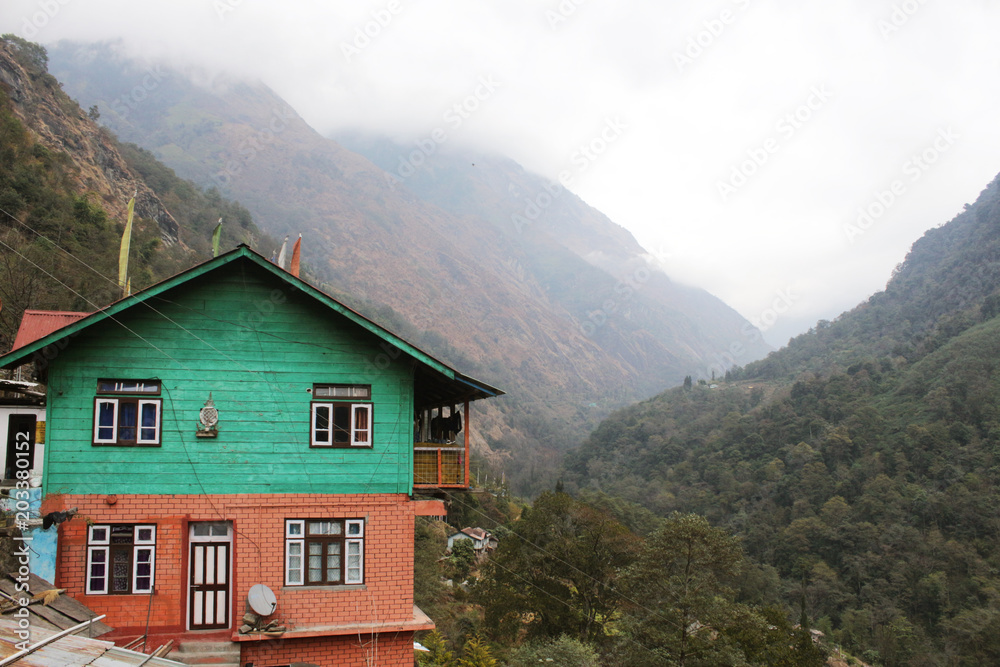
[201, 540]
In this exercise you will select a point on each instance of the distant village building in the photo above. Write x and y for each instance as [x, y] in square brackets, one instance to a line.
[235, 440]
[483, 542]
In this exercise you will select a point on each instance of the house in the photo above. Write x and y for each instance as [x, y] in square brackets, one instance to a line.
[483, 542]
[234, 428]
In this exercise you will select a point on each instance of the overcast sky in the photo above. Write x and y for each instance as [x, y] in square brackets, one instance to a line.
[739, 140]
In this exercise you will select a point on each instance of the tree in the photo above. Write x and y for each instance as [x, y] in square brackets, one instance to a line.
[564, 651]
[476, 654]
[557, 573]
[682, 609]
[463, 555]
[437, 654]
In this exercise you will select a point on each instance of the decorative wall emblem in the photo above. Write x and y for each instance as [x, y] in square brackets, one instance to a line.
[208, 419]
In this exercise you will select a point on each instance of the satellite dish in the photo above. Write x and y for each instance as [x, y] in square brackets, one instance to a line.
[261, 599]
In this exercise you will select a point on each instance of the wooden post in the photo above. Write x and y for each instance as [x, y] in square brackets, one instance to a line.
[440, 475]
[467, 428]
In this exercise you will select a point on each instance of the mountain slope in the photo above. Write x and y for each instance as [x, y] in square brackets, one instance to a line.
[64, 187]
[545, 317]
[862, 462]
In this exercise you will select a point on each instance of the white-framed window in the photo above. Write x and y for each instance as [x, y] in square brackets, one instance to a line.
[338, 419]
[324, 552]
[120, 419]
[121, 559]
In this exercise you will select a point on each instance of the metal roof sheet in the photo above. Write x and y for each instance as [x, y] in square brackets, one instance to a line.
[40, 323]
[72, 651]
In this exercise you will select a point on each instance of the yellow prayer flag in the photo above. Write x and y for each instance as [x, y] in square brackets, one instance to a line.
[126, 243]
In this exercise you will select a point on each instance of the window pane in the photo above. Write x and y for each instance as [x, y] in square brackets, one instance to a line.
[144, 534]
[324, 528]
[353, 527]
[121, 534]
[321, 427]
[98, 569]
[295, 563]
[143, 569]
[315, 562]
[120, 571]
[148, 422]
[354, 562]
[127, 415]
[98, 534]
[361, 413]
[341, 391]
[127, 387]
[105, 420]
[342, 424]
[294, 527]
[333, 562]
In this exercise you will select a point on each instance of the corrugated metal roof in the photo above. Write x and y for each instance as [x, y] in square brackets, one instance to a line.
[40, 323]
[72, 651]
[61, 613]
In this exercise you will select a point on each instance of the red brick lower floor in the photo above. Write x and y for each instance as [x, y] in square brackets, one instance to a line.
[367, 650]
[366, 623]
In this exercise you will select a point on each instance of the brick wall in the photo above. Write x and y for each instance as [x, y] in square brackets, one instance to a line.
[258, 558]
[364, 650]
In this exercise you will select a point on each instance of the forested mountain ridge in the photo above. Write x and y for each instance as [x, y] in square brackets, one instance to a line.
[862, 461]
[64, 188]
[948, 275]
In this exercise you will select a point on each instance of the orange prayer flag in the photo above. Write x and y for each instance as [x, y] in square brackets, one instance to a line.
[296, 250]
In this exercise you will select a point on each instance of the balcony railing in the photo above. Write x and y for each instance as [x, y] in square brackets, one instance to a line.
[440, 465]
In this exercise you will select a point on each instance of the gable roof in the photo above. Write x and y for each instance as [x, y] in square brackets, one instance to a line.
[37, 324]
[436, 381]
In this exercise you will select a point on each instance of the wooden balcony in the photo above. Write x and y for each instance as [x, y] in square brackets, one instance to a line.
[442, 465]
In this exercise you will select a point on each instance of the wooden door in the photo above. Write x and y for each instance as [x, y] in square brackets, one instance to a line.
[209, 591]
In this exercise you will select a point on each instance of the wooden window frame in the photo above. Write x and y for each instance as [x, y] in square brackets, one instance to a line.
[298, 538]
[141, 550]
[117, 398]
[360, 432]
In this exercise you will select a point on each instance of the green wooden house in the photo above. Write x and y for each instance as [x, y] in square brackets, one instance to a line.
[234, 426]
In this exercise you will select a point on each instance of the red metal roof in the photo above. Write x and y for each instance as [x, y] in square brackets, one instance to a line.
[40, 323]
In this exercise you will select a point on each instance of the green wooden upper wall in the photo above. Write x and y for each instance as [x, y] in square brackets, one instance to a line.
[257, 344]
